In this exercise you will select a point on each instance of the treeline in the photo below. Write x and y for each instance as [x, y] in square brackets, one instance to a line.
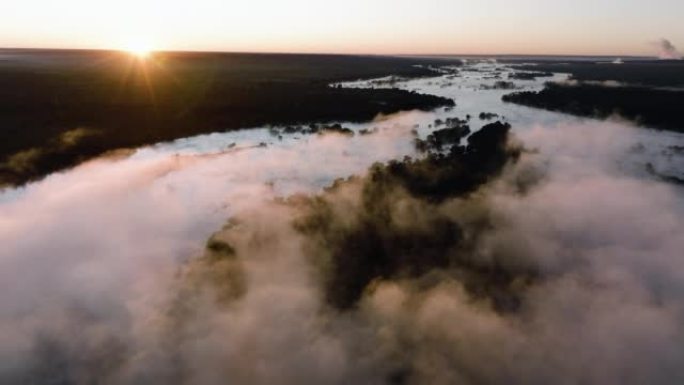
[649, 107]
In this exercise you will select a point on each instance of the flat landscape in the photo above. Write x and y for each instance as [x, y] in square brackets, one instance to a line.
[61, 107]
[339, 193]
[649, 93]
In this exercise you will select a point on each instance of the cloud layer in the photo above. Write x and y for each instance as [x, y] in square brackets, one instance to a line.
[106, 278]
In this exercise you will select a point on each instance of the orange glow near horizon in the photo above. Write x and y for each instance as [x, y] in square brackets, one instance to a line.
[352, 26]
[139, 44]
[140, 50]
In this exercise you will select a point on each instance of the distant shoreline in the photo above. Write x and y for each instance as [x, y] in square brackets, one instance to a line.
[450, 56]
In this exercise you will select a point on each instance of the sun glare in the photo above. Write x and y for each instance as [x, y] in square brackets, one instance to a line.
[140, 49]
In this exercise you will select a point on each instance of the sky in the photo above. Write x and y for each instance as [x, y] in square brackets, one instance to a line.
[591, 27]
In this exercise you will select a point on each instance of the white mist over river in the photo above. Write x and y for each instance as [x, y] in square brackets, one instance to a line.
[90, 257]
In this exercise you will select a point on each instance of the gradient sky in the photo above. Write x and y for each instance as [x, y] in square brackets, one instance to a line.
[614, 27]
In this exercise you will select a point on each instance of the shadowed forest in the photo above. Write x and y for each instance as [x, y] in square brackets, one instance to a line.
[61, 107]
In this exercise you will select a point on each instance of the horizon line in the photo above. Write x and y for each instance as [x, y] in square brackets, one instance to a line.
[424, 55]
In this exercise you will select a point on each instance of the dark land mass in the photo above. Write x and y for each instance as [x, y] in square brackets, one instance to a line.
[531, 75]
[354, 245]
[58, 108]
[499, 85]
[377, 247]
[655, 73]
[456, 130]
[656, 108]
[525, 59]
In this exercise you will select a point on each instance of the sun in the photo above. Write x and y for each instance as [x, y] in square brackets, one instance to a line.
[140, 49]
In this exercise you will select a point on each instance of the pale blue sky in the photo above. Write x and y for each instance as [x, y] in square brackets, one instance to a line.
[360, 26]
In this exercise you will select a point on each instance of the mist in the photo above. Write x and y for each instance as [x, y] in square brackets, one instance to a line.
[96, 288]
